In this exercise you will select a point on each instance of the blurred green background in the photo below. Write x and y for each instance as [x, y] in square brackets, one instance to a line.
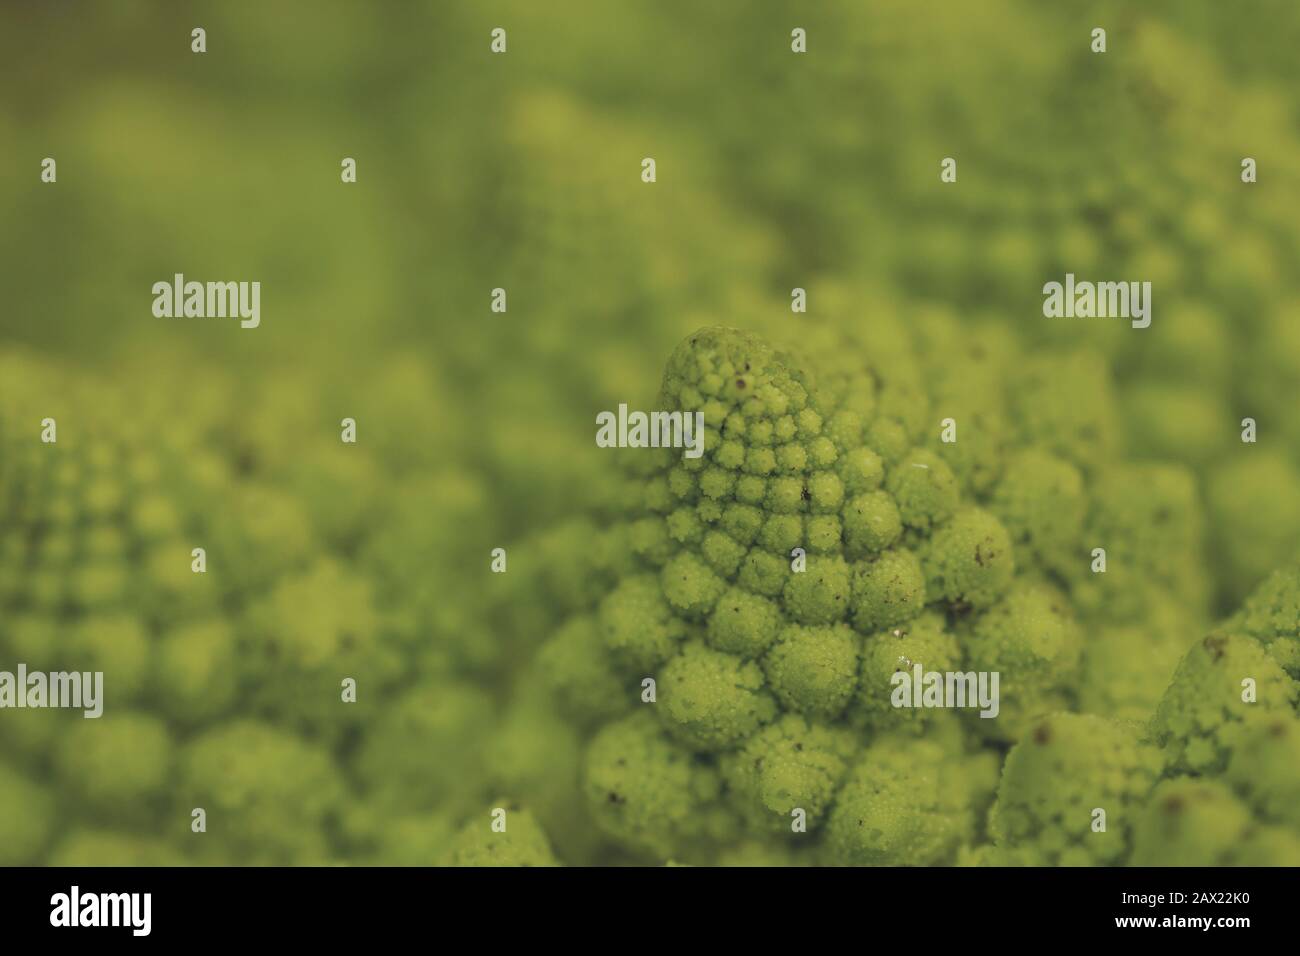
[522, 171]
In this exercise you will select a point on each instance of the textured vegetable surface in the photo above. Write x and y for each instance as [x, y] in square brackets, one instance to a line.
[563, 653]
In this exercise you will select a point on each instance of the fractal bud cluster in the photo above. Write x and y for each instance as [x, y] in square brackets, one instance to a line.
[773, 733]
[643, 435]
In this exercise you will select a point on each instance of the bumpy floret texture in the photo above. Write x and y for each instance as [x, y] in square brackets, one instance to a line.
[644, 789]
[1070, 790]
[1031, 640]
[719, 641]
[825, 550]
[1076, 434]
[1271, 615]
[924, 641]
[1230, 732]
[792, 765]
[1220, 682]
[907, 803]
[225, 736]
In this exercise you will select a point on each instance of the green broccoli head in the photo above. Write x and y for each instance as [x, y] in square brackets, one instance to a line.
[925, 490]
[969, 562]
[577, 667]
[1070, 791]
[740, 666]
[907, 802]
[637, 621]
[1041, 500]
[924, 641]
[710, 699]
[644, 790]
[1032, 641]
[1221, 680]
[1271, 615]
[887, 591]
[790, 765]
